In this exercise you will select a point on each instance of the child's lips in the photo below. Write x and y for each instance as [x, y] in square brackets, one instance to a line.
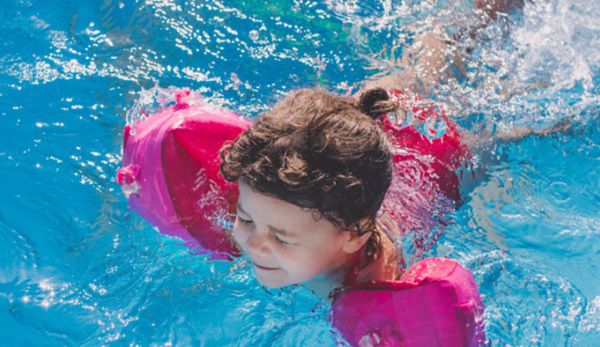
[264, 267]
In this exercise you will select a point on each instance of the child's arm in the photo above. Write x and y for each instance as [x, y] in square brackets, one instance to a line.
[486, 140]
[429, 61]
[433, 59]
[517, 133]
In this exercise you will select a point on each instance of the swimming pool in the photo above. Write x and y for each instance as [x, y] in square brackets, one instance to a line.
[78, 269]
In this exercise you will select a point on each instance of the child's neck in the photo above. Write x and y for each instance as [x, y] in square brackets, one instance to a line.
[325, 284]
[387, 266]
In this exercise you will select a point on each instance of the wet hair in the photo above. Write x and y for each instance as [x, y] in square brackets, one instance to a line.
[321, 152]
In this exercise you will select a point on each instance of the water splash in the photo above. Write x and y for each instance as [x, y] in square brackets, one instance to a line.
[534, 68]
[420, 210]
[156, 99]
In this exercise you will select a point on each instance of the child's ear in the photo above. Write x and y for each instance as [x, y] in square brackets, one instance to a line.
[355, 242]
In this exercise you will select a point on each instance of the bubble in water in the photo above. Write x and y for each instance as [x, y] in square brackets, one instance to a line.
[253, 35]
[433, 127]
[429, 121]
[399, 119]
[560, 191]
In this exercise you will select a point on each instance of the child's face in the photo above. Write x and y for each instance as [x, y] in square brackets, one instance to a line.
[286, 243]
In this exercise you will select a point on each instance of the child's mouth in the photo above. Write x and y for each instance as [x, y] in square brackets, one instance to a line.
[264, 267]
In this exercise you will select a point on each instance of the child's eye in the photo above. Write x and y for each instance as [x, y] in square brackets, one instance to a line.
[244, 221]
[285, 243]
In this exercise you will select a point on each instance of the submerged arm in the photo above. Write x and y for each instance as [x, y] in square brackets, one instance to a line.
[434, 59]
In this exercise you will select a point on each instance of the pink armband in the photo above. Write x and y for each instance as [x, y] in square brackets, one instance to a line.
[170, 173]
[435, 303]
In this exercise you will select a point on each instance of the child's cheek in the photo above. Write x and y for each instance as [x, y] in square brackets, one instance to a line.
[239, 236]
[302, 262]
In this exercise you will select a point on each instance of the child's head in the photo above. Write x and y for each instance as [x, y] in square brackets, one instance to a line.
[312, 173]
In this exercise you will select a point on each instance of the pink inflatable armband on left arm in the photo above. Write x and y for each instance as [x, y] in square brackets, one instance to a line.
[435, 303]
[445, 145]
[170, 173]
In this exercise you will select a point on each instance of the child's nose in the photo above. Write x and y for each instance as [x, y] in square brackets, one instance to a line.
[257, 243]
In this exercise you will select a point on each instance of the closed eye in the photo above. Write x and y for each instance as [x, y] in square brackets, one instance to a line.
[276, 237]
[285, 243]
[244, 221]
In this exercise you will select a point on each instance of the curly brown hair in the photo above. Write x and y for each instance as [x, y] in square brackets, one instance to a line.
[322, 152]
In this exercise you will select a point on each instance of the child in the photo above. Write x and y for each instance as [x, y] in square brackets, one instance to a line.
[319, 184]
[312, 174]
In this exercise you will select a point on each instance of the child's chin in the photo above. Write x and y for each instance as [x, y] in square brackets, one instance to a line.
[272, 285]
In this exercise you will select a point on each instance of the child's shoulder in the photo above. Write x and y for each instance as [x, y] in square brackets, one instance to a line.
[389, 264]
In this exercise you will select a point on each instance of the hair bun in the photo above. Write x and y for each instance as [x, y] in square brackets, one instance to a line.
[376, 102]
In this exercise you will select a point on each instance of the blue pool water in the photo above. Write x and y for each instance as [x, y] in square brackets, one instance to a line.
[76, 268]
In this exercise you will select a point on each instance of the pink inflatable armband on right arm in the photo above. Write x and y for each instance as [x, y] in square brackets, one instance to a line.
[435, 303]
